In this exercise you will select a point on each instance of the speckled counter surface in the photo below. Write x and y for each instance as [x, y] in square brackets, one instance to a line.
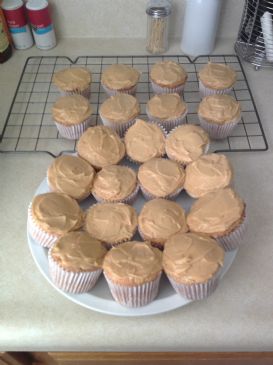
[34, 316]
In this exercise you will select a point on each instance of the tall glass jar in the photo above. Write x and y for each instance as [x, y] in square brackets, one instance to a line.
[158, 12]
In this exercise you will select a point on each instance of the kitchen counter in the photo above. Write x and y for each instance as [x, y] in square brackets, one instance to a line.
[35, 317]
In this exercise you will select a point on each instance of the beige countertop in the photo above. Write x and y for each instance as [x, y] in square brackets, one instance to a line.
[34, 316]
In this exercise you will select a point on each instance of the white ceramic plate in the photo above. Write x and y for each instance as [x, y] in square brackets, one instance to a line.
[100, 299]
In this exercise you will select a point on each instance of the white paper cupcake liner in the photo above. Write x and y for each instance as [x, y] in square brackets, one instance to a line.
[183, 163]
[195, 291]
[129, 158]
[112, 92]
[149, 196]
[120, 128]
[86, 92]
[129, 200]
[41, 237]
[69, 281]
[217, 131]
[134, 296]
[73, 131]
[205, 91]
[233, 240]
[157, 89]
[81, 198]
[169, 124]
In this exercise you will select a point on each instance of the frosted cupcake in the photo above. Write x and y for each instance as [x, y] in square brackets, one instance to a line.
[72, 115]
[161, 178]
[220, 214]
[144, 141]
[208, 173]
[219, 115]
[119, 112]
[71, 175]
[52, 215]
[159, 219]
[133, 271]
[111, 223]
[187, 143]
[74, 80]
[119, 78]
[167, 110]
[115, 184]
[193, 264]
[75, 262]
[216, 78]
[168, 77]
[101, 146]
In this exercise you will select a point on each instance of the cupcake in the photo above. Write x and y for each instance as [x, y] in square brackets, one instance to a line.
[167, 110]
[216, 78]
[72, 115]
[119, 112]
[133, 271]
[161, 178]
[193, 264]
[120, 79]
[52, 215]
[143, 141]
[219, 115]
[75, 262]
[220, 214]
[187, 143]
[111, 223]
[101, 146]
[71, 175]
[159, 219]
[208, 173]
[74, 80]
[115, 184]
[168, 77]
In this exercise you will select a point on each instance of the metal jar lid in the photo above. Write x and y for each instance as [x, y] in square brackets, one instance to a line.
[159, 8]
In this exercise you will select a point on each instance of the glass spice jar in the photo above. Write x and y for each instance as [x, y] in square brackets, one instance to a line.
[158, 12]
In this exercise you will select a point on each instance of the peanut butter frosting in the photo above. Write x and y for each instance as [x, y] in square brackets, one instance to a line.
[219, 109]
[191, 259]
[114, 183]
[161, 177]
[133, 263]
[186, 143]
[166, 106]
[208, 173]
[111, 222]
[71, 175]
[71, 110]
[217, 76]
[57, 213]
[118, 77]
[144, 141]
[216, 213]
[161, 218]
[78, 252]
[74, 78]
[101, 146]
[120, 108]
[168, 74]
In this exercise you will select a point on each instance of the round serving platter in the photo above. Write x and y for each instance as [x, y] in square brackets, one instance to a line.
[99, 298]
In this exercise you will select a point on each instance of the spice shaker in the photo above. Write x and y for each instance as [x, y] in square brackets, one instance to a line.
[41, 24]
[14, 11]
[158, 14]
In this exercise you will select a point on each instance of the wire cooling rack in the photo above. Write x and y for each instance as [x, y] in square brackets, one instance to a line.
[29, 125]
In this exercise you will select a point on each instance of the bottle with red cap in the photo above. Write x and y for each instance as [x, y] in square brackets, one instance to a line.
[14, 11]
[41, 24]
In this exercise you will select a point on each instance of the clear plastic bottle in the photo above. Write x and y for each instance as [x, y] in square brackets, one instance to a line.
[158, 12]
